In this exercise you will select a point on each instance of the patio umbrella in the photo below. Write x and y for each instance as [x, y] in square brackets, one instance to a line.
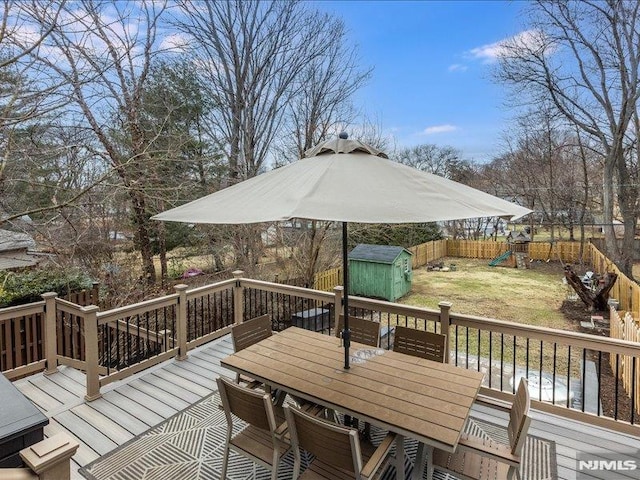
[344, 181]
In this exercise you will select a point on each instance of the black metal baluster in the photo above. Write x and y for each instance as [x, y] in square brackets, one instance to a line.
[599, 380]
[568, 375]
[553, 392]
[615, 406]
[584, 376]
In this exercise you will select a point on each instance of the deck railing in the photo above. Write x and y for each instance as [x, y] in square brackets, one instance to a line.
[571, 374]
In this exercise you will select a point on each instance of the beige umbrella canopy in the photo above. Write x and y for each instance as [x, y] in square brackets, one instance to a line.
[347, 181]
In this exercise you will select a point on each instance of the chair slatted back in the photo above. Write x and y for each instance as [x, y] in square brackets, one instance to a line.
[331, 443]
[420, 343]
[519, 419]
[252, 406]
[250, 332]
[363, 331]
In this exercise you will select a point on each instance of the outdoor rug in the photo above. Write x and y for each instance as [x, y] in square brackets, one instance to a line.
[189, 446]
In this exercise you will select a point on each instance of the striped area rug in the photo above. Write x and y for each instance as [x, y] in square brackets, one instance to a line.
[189, 446]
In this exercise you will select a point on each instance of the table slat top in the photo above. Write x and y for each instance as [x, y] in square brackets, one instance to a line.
[408, 395]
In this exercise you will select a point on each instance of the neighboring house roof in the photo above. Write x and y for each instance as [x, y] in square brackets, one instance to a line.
[376, 253]
[16, 260]
[14, 251]
[10, 241]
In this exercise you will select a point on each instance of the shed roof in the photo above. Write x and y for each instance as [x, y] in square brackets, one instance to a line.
[376, 253]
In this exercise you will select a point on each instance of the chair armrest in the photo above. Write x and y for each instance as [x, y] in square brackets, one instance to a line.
[489, 448]
[379, 456]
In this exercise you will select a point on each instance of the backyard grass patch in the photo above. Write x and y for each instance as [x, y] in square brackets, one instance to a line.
[532, 296]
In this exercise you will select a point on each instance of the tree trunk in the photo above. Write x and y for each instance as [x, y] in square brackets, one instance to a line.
[595, 300]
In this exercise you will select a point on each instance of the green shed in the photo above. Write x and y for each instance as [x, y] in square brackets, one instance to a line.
[380, 271]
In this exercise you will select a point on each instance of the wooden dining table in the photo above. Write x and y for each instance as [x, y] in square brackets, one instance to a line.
[410, 396]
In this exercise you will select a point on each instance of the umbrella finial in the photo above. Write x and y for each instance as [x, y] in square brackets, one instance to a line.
[343, 135]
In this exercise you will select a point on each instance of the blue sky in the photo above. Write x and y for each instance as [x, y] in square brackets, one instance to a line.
[432, 65]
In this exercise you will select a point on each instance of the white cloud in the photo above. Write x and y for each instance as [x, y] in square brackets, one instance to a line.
[176, 42]
[435, 129]
[457, 67]
[527, 39]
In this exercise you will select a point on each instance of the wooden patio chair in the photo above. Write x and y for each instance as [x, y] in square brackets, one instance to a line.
[419, 343]
[363, 331]
[339, 452]
[249, 333]
[482, 459]
[262, 440]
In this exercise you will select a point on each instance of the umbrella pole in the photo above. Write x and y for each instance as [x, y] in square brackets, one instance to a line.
[346, 333]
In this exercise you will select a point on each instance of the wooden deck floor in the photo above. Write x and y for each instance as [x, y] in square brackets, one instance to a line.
[132, 406]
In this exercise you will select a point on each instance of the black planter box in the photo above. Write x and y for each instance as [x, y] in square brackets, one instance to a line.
[316, 319]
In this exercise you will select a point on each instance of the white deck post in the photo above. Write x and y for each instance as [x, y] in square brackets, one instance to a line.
[337, 303]
[238, 298]
[181, 321]
[91, 352]
[445, 324]
[49, 327]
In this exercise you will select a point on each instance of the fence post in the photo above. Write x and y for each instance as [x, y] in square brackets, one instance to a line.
[238, 298]
[445, 326]
[182, 321]
[49, 328]
[337, 303]
[91, 352]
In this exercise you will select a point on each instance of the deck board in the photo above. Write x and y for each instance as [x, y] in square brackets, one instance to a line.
[142, 398]
[109, 428]
[43, 400]
[130, 407]
[140, 411]
[183, 382]
[173, 389]
[89, 434]
[119, 415]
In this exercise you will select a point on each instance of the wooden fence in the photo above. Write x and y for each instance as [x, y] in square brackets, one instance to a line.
[625, 290]
[428, 252]
[475, 249]
[626, 367]
[327, 280]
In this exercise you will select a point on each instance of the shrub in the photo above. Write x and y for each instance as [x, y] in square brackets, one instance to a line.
[27, 287]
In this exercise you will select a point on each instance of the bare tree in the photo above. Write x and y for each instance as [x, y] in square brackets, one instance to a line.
[584, 57]
[25, 93]
[322, 104]
[103, 53]
[252, 55]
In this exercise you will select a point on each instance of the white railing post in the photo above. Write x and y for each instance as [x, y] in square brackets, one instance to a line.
[338, 291]
[238, 298]
[181, 321]
[90, 320]
[445, 325]
[49, 329]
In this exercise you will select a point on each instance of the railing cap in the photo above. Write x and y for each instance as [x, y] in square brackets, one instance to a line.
[238, 273]
[49, 295]
[180, 287]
